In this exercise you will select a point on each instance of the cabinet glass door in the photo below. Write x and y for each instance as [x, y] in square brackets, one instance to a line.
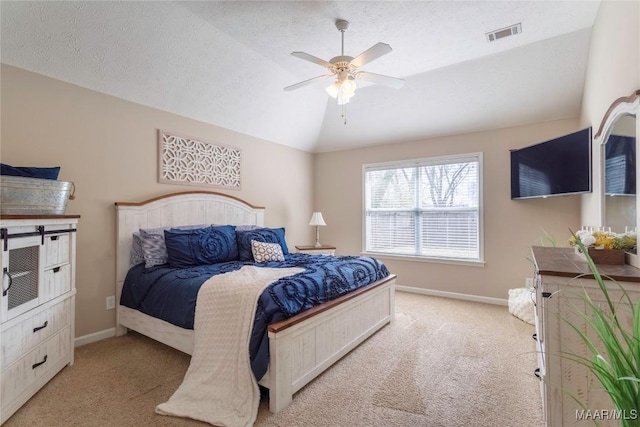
[20, 277]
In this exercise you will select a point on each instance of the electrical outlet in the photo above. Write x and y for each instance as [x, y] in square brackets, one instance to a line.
[111, 302]
[529, 282]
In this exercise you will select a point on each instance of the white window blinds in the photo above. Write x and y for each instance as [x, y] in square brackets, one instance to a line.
[428, 208]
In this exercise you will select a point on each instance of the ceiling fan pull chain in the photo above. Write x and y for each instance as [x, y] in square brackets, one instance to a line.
[344, 114]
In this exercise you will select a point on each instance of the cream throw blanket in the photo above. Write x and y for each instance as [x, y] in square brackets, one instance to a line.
[219, 386]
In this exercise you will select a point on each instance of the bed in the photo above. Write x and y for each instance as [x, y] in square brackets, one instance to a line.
[300, 347]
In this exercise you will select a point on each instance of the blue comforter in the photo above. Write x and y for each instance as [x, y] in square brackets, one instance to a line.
[170, 293]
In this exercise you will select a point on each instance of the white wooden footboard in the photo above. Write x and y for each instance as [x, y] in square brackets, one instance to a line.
[300, 348]
[301, 351]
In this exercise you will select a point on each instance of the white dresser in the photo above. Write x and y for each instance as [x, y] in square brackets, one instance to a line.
[37, 309]
[557, 301]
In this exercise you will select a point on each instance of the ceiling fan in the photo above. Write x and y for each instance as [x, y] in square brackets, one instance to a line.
[345, 70]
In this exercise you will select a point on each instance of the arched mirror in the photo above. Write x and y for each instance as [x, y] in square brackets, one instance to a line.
[620, 175]
[617, 139]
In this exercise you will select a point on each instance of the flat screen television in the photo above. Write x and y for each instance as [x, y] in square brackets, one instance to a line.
[558, 167]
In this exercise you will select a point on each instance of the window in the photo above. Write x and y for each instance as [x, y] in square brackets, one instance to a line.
[427, 208]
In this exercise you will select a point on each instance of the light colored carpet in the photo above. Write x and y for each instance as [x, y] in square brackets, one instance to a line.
[441, 363]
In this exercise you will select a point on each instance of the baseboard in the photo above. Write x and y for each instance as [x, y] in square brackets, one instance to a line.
[96, 336]
[108, 333]
[454, 295]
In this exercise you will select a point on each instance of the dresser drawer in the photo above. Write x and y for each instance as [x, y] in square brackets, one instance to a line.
[56, 249]
[25, 336]
[36, 368]
[56, 281]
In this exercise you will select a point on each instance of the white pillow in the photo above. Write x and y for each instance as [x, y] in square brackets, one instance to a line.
[265, 252]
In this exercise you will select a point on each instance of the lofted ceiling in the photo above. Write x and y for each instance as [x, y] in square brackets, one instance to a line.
[227, 62]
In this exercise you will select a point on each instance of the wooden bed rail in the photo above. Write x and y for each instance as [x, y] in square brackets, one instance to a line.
[287, 323]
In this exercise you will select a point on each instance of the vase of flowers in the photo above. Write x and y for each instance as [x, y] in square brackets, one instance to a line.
[604, 247]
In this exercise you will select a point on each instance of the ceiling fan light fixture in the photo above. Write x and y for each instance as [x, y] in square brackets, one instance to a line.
[349, 86]
[343, 90]
[333, 90]
[345, 70]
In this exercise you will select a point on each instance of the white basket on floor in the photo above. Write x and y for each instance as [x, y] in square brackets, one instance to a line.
[521, 304]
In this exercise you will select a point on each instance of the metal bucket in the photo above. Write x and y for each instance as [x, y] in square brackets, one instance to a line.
[33, 196]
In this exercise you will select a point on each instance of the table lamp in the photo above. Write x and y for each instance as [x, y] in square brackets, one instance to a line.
[317, 220]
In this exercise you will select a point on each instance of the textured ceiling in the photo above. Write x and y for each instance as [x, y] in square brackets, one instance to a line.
[227, 62]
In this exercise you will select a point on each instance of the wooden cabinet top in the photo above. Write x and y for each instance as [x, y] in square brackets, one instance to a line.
[38, 216]
[566, 262]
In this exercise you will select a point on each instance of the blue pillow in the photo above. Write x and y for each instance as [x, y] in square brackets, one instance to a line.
[266, 235]
[148, 245]
[209, 245]
[30, 172]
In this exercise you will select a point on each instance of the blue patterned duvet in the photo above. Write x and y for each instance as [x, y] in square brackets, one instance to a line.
[170, 293]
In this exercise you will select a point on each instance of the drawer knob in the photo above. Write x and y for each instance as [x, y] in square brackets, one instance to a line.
[35, 365]
[57, 269]
[46, 323]
[537, 373]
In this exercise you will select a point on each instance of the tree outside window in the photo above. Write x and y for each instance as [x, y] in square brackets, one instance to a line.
[425, 208]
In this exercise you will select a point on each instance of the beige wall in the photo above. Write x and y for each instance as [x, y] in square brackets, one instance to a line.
[510, 227]
[108, 147]
[613, 71]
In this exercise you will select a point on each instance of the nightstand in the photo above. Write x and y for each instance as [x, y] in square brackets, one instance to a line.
[317, 250]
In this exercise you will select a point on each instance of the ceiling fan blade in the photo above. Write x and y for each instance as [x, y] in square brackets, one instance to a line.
[374, 52]
[393, 82]
[313, 59]
[307, 82]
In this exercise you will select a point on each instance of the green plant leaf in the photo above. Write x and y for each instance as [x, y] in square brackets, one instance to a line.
[614, 352]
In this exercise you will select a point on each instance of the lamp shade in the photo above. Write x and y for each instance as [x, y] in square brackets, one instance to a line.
[316, 219]
[333, 90]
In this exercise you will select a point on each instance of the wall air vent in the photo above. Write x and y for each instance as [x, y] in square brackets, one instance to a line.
[504, 32]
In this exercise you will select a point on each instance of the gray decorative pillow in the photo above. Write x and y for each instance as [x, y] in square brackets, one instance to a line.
[265, 252]
[153, 248]
[136, 256]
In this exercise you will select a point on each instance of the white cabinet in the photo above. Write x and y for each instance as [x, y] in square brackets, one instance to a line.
[37, 309]
[564, 382]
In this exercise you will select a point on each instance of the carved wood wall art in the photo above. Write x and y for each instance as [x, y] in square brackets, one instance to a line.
[188, 161]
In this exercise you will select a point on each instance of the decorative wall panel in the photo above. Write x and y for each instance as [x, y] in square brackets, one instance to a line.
[187, 161]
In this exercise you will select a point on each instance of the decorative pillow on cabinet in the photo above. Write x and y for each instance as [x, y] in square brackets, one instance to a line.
[30, 172]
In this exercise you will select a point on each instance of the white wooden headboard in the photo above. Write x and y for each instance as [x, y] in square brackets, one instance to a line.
[175, 209]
